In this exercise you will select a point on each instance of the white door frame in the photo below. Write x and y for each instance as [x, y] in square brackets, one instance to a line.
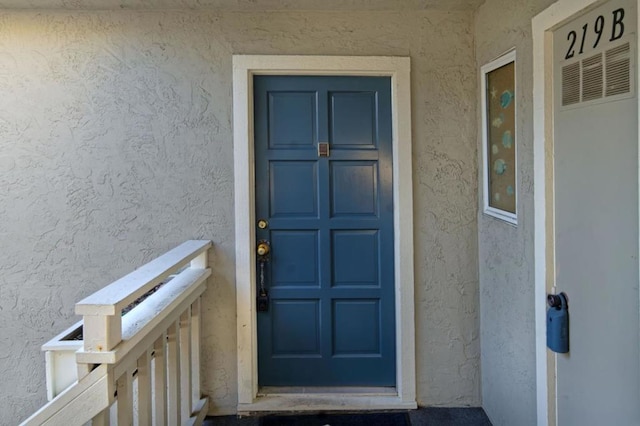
[398, 68]
[543, 26]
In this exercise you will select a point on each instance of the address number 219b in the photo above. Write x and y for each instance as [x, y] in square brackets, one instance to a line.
[595, 32]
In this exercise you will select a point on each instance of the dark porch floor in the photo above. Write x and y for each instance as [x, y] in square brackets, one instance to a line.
[420, 417]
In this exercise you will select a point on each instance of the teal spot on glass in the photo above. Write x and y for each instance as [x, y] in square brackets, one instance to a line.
[506, 98]
[500, 167]
[510, 191]
[507, 139]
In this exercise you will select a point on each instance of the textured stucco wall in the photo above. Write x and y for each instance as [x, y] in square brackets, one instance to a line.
[506, 262]
[116, 145]
[244, 5]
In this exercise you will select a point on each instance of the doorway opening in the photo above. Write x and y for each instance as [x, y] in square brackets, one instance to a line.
[245, 67]
[574, 91]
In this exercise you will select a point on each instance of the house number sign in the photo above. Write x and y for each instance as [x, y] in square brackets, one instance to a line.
[604, 27]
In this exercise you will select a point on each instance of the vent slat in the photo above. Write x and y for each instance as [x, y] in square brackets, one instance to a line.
[592, 75]
[618, 70]
[571, 84]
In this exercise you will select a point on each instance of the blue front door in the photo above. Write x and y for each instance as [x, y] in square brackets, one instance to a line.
[324, 203]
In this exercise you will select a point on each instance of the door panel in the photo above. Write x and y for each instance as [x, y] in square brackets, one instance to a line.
[353, 119]
[331, 317]
[350, 270]
[596, 219]
[356, 327]
[301, 319]
[300, 177]
[296, 258]
[292, 119]
[354, 188]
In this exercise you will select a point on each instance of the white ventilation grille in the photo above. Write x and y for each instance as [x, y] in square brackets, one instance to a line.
[618, 63]
[592, 78]
[571, 84]
[597, 77]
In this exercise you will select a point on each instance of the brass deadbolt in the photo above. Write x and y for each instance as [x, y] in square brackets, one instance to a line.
[263, 248]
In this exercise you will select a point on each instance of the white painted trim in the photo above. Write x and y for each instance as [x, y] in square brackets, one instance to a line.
[542, 25]
[637, 67]
[398, 68]
[324, 402]
[504, 59]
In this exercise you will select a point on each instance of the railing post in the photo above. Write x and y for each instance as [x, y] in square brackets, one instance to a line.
[201, 261]
[102, 332]
[195, 352]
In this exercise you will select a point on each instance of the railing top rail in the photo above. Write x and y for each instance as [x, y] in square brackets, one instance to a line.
[111, 299]
[146, 322]
[59, 341]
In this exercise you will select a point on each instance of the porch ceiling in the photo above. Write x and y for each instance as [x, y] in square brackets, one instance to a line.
[243, 5]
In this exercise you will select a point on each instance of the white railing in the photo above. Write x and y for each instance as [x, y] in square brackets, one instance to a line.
[143, 366]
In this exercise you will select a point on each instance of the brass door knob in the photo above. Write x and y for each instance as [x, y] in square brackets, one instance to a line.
[263, 249]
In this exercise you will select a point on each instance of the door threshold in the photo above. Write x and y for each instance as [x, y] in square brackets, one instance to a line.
[330, 390]
[315, 399]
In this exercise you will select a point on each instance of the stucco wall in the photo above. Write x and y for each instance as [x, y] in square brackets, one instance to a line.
[506, 262]
[116, 145]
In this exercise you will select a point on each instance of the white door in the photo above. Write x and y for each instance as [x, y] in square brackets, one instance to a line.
[596, 215]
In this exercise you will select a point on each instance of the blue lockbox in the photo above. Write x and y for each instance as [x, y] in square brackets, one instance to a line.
[558, 323]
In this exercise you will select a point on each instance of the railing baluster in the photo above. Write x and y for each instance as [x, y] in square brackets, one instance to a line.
[102, 419]
[144, 389]
[125, 399]
[160, 382]
[173, 376]
[195, 353]
[185, 364]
